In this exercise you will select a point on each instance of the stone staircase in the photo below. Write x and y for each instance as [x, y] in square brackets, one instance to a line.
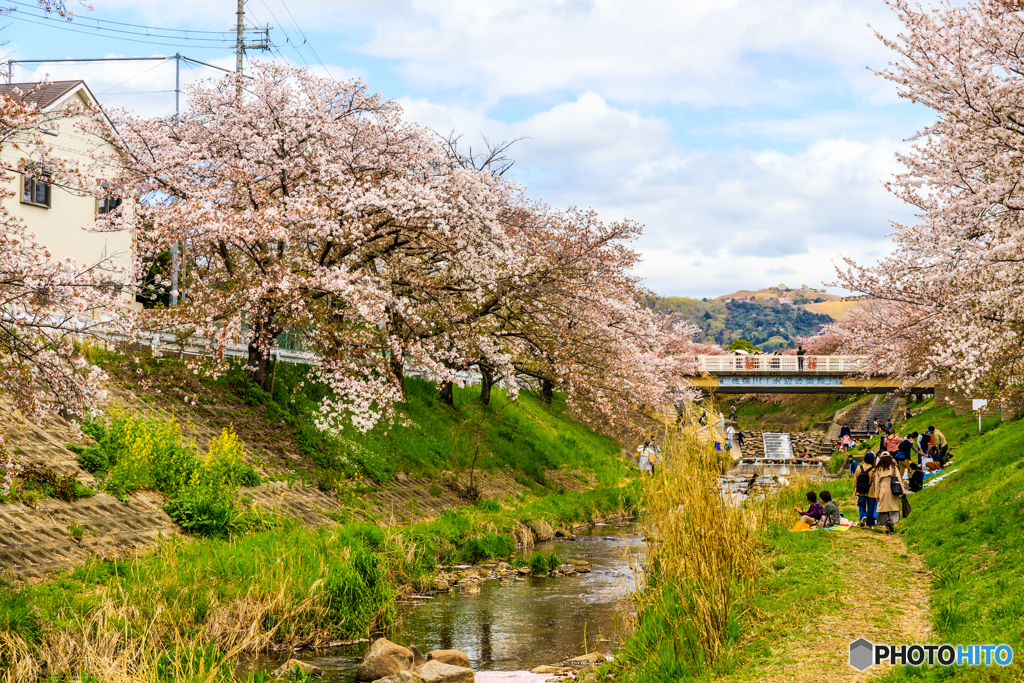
[881, 412]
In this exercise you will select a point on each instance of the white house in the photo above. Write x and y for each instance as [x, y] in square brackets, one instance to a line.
[56, 215]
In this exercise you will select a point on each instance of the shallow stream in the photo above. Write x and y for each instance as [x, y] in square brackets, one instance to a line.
[513, 625]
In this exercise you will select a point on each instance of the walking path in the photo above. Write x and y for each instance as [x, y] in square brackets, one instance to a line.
[881, 593]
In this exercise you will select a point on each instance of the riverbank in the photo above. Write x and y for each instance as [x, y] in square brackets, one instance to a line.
[190, 606]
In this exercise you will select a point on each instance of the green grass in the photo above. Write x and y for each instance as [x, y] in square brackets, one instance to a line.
[968, 529]
[799, 411]
[526, 436]
[305, 585]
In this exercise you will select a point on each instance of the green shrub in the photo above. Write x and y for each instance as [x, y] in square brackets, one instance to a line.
[488, 505]
[435, 490]
[94, 459]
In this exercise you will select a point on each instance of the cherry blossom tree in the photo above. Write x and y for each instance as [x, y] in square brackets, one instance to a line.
[310, 206]
[955, 284]
[46, 305]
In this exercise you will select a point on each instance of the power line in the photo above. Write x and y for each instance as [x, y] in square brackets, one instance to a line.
[305, 41]
[132, 78]
[130, 40]
[121, 23]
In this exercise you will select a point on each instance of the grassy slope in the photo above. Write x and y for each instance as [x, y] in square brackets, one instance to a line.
[968, 528]
[798, 410]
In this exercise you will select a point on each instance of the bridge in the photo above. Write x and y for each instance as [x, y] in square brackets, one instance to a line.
[763, 374]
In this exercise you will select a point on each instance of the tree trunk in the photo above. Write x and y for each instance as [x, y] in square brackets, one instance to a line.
[547, 390]
[259, 366]
[486, 382]
[448, 393]
[398, 368]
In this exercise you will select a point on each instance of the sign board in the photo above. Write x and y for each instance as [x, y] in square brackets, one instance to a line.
[978, 403]
[780, 381]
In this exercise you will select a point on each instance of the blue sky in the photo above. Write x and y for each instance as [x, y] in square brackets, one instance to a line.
[750, 137]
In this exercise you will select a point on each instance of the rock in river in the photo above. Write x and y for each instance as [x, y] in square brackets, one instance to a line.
[453, 657]
[384, 659]
[292, 664]
[435, 671]
[402, 677]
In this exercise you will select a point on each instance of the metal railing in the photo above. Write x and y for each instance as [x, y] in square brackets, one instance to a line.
[739, 363]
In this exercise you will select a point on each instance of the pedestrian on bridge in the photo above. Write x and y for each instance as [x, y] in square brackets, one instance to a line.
[800, 353]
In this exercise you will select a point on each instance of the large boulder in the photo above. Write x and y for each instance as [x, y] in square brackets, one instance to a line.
[293, 665]
[383, 659]
[437, 672]
[453, 657]
[402, 677]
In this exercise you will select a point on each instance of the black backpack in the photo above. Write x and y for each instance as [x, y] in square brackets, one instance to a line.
[864, 481]
[895, 486]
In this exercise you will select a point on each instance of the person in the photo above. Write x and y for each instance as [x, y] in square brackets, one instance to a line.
[750, 485]
[739, 438]
[878, 427]
[916, 478]
[813, 513]
[643, 461]
[830, 510]
[729, 433]
[888, 426]
[864, 488]
[923, 442]
[703, 417]
[803, 454]
[846, 441]
[933, 453]
[732, 414]
[851, 463]
[939, 440]
[903, 453]
[653, 454]
[800, 357]
[907, 414]
[845, 431]
[892, 441]
[886, 478]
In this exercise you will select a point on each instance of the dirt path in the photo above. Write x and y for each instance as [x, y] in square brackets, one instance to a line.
[882, 595]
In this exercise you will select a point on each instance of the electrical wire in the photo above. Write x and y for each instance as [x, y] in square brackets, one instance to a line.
[121, 23]
[287, 38]
[129, 40]
[134, 77]
[147, 33]
[305, 41]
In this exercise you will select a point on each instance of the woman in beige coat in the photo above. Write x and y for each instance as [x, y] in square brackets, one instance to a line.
[888, 504]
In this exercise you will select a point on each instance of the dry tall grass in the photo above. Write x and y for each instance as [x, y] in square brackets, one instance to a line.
[704, 553]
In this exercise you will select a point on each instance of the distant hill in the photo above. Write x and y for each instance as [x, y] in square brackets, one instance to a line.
[839, 309]
[783, 294]
[768, 323]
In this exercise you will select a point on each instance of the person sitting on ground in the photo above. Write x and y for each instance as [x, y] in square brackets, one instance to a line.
[916, 478]
[907, 414]
[935, 463]
[887, 480]
[830, 511]
[811, 515]
[864, 488]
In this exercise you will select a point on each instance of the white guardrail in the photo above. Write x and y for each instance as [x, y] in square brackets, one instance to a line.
[763, 363]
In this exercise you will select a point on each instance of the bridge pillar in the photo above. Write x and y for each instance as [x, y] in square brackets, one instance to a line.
[943, 395]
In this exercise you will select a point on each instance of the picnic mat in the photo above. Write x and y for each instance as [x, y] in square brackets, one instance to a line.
[843, 526]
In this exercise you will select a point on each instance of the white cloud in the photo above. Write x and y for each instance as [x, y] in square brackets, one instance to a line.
[714, 219]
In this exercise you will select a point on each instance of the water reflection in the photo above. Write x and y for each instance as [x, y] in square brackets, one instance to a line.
[517, 624]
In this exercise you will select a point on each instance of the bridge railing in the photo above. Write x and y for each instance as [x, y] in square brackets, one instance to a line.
[739, 363]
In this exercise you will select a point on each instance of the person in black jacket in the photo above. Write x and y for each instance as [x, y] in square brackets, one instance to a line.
[916, 478]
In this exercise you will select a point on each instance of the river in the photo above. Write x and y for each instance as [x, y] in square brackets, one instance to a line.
[514, 625]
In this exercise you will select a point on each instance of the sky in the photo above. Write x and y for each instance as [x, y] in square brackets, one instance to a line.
[751, 138]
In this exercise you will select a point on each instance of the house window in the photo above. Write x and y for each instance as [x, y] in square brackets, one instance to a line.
[36, 192]
[107, 204]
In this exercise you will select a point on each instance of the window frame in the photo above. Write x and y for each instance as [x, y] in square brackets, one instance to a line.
[27, 182]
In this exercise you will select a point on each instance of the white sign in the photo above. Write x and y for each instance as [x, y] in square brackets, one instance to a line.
[978, 403]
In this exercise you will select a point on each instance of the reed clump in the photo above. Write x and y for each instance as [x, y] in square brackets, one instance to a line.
[704, 554]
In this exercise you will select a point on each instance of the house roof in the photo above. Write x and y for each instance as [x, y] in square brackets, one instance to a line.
[45, 95]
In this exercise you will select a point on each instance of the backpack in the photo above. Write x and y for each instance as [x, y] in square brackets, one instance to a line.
[864, 481]
[895, 486]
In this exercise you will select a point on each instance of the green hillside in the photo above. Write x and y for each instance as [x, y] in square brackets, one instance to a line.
[765, 323]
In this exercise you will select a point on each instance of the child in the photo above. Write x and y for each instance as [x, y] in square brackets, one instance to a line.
[830, 511]
[812, 514]
[916, 477]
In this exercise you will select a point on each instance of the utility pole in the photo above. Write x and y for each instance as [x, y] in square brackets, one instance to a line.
[241, 47]
[177, 113]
